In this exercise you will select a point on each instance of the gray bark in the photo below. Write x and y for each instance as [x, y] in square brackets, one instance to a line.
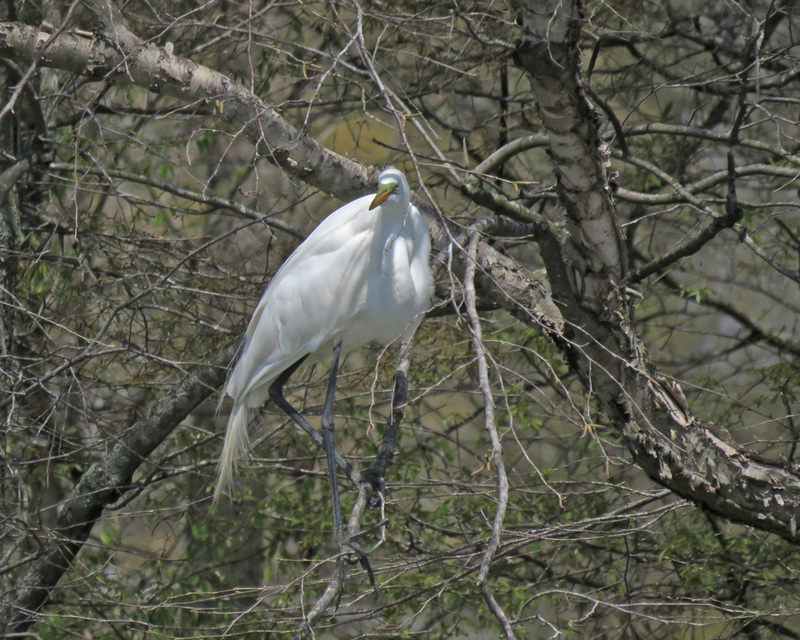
[695, 460]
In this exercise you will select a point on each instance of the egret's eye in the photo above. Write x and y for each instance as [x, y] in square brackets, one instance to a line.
[391, 187]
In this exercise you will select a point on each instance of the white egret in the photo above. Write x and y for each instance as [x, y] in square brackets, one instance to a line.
[361, 276]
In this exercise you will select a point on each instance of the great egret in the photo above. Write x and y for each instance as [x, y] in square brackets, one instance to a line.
[362, 275]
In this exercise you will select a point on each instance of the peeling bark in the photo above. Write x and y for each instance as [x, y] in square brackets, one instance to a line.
[695, 460]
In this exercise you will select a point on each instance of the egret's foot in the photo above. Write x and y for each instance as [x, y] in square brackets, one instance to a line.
[363, 559]
[374, 479]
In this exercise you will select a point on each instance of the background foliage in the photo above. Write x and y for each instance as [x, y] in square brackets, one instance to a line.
[147, 233]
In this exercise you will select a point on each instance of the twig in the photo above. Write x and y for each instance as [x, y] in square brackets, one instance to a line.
[332, 592]
[375, 474]
[745, 237]
[732, 208]
[34, 65]
[690, 247]
[491, 428]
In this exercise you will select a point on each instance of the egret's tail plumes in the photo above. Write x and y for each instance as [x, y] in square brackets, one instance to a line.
[237, 444]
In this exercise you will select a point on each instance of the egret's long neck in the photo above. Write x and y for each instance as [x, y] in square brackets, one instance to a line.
[392, 218]
[394, 211]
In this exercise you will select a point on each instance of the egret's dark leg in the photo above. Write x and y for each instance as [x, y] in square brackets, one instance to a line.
[276, 393]
[375, 474]
[327, 443]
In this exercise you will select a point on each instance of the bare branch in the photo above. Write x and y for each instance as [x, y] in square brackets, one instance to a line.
[103, 484]
[491, 429]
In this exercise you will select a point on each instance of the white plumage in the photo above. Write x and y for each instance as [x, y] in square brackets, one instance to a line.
[362, 275]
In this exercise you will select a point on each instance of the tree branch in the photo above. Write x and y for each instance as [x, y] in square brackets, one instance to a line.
[695, 460]
[494, 438]
[733, 213]
[104, 483]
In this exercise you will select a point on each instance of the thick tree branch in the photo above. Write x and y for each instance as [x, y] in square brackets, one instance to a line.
[548, 52]
[696, 460]
[154, 68]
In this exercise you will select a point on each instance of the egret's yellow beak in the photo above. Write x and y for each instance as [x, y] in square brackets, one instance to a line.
[380, 197]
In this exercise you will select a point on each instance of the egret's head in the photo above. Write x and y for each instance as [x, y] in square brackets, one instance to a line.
[391, 182]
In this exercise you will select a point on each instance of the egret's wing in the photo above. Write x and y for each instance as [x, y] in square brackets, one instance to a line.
[314, 294]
